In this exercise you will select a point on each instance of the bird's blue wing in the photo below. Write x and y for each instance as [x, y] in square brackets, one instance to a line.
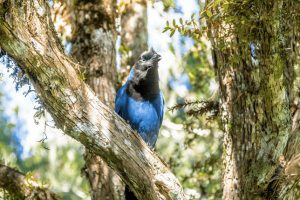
[131, 74]
[161, 109]
[120, 99]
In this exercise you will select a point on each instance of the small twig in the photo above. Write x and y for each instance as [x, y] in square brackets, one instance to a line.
[196, 108]
[45, 138]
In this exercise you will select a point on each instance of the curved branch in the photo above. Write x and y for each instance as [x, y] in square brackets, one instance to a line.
[26, 34]
[19, 186]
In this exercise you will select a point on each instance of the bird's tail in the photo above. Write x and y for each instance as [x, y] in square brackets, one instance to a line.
[129, 194]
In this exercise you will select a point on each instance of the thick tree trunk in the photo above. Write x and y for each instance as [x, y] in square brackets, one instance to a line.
[94, 47]
[256, 94]
[19, 186]
[26, 34]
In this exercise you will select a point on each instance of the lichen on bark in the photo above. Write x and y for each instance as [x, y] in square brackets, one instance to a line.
[255, 93]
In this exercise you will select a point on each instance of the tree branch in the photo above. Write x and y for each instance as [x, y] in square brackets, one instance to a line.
[199, 107]
[288, 171]
[19, 186]
[26, 34]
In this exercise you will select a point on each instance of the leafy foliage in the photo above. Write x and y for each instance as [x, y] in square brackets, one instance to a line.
[196, 160]
[187, 27]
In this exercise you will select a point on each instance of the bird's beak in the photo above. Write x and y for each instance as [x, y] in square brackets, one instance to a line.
[157, 57]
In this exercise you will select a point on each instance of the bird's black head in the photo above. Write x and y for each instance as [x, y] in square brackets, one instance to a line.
[147, 64]
[144, 83]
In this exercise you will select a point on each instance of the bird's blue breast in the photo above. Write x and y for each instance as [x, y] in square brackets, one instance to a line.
[145, 116]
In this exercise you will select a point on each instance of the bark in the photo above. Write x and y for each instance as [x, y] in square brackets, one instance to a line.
[94, 47]
[256, 96]
[134, 32]
[20, 186]
[27, 35]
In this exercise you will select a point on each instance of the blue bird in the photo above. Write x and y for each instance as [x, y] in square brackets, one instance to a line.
[140, 101]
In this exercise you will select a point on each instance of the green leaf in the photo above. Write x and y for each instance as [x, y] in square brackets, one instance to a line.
[174, 23]
[172, 32]
[193, 15]
[166, 29]
[181, 21]
[194, 23]
[208, 12]
[216, 2]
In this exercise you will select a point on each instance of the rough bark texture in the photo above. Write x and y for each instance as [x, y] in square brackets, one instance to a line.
[256, 96]
[94, 47]
[27, 35]
[134, 32]
[19, 186]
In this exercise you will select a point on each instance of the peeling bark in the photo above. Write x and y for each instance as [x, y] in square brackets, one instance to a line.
[19, 186]
[27, 35]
